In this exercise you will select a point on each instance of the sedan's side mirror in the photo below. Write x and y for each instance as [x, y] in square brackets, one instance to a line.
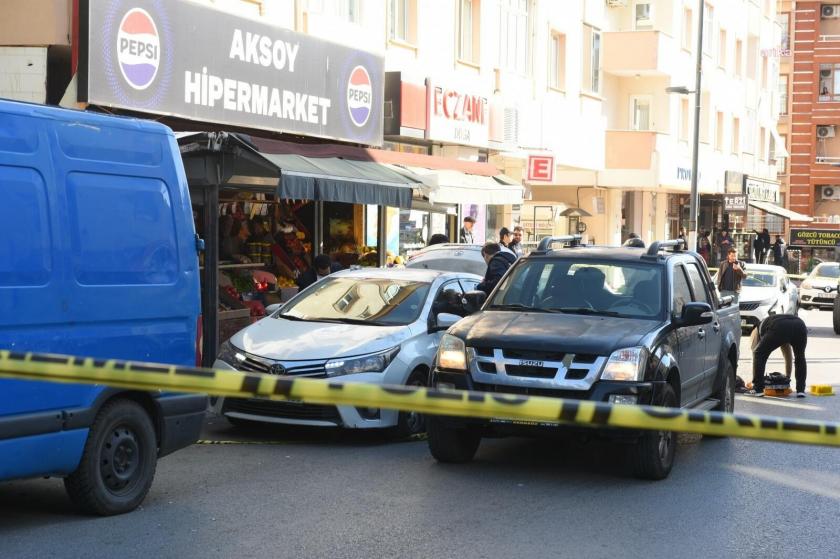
[443, 321]
[473, 300]
[696, 314]
[271, 309]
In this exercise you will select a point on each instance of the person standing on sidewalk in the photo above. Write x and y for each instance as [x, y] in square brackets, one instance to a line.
[774, 332]
[730, 274]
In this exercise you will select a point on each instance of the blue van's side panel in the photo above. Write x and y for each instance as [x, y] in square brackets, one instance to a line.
[49, 454]
[98, 253]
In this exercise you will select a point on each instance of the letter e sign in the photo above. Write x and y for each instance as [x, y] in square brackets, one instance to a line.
[541, 168]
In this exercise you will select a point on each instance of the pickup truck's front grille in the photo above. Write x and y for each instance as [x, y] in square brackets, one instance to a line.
[534, 369]
[748, 306]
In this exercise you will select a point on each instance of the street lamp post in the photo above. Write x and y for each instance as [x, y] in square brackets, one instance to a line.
[694, 202]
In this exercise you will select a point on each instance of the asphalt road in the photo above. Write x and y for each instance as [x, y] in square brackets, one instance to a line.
[333, 494]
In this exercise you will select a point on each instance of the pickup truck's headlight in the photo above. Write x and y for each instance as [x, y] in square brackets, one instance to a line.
[452, 353]
[373, 363]
[626, 364]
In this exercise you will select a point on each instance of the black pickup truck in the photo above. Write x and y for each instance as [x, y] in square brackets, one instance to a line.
[621, 325]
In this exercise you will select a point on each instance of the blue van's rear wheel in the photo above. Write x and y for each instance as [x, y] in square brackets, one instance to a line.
[118, 464]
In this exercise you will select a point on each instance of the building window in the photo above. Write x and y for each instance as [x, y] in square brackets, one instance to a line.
[784, 22]
[684, 122]
[469, 18]
[513, 36]
[591, 59]
[749, 132]
[739, 58]
[644, 16]
[640, 112]
[829, 82]
[764, 72]
[557, 61]
[752, 56]
[762, 141]
[721, 53]
[783, 94]
[688, 29]
[736, 136]
[347, 10]
[719, 131]
[402, 20]
[708, 29]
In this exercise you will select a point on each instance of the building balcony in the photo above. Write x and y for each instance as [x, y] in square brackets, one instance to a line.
[634, 53]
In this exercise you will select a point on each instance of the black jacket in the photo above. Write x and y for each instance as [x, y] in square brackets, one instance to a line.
[497, 267]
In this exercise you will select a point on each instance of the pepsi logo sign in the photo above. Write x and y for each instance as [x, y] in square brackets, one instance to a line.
[138, 48]
[359, 96]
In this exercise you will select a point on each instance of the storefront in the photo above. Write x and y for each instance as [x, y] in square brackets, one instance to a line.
[817, 245]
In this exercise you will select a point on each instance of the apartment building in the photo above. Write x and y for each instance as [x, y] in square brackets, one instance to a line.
[814, 121]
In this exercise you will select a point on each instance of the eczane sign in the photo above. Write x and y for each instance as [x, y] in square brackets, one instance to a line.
[457, 115]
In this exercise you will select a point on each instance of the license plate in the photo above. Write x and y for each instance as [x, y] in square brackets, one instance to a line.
[530, 363]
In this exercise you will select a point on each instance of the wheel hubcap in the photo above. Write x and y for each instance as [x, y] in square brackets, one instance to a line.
[728, 403]
[120, 459]
[665, 441]
[414, 420]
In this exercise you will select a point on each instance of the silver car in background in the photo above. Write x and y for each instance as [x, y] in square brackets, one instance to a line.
[766, 290]
[819, 289]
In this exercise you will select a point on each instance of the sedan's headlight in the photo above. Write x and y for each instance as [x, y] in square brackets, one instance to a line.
[806, 284]
[452, 353]
[626, 364]
[230, 354]
[373, 363]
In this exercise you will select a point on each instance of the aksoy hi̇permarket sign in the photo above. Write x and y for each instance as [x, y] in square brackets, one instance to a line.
[178, 58]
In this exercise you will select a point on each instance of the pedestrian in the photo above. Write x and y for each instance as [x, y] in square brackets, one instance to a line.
[774, 332]
[516, 243]
[730, 274]
[466, 230]
[505, 236]
[761, 245]
[437, 239]
[704, 247]
[498, 261]
[682, 234]
[779, 249]
[724, 243]
[634, 241]
[322, 266]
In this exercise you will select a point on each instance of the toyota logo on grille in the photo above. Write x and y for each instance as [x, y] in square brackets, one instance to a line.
[277, 369]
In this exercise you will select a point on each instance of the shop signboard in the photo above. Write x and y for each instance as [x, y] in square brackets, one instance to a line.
[457, 115]
[541, 168]
[181, 58]
[733, 182]
[763, 191]
[815, 238]
[734, 203]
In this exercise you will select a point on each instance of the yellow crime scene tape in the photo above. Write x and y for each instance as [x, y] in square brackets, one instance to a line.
[518, 408]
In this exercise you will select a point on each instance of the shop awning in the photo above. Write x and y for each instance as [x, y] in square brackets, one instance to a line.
[332, 179]
[448, 186]
[779, 211]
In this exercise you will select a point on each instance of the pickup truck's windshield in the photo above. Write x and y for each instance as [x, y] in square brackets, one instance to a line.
[570, 286]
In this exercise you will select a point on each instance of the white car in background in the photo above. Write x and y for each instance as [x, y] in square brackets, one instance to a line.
[377, 326]
[766, 290]
[451, 257]
[819, 289]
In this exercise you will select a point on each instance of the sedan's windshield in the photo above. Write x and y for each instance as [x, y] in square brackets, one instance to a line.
[576, 287]
[759, 279]
[355, 300]
[827, 271]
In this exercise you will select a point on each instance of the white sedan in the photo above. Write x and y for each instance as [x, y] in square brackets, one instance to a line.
[820, 287]
[378, 326]
[766, 290]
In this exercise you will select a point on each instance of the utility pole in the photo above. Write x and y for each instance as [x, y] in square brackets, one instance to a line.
[694, 204]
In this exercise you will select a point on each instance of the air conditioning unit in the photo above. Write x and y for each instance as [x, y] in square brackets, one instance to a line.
[825, 73]
[830, 11]
[825, 131]
[617, 3]
[831, 193]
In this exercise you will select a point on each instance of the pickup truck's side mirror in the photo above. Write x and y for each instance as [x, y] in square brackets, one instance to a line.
[473, 300]
[696, 314]
[443, 321]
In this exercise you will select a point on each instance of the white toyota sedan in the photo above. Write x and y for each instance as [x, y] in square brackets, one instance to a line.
[378, 326]
[766, 290]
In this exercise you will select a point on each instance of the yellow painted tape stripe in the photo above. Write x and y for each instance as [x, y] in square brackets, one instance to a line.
[146, 376]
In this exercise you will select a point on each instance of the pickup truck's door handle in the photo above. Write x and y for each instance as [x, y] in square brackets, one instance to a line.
[716, 327]
[701, 333]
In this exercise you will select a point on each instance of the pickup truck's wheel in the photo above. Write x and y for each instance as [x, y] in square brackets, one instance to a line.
[653, 456]
[726, 393]
[411, 422]
[836, 315]
[451, 445]
[118, 462]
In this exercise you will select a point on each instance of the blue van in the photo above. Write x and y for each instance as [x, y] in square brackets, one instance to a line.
[98, 257]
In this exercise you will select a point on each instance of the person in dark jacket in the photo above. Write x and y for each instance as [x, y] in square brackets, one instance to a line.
[466, 236]
[498, 259]
[774, 332]
[779, 249]
[730, 274]
[437, 239]
[321, 267]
